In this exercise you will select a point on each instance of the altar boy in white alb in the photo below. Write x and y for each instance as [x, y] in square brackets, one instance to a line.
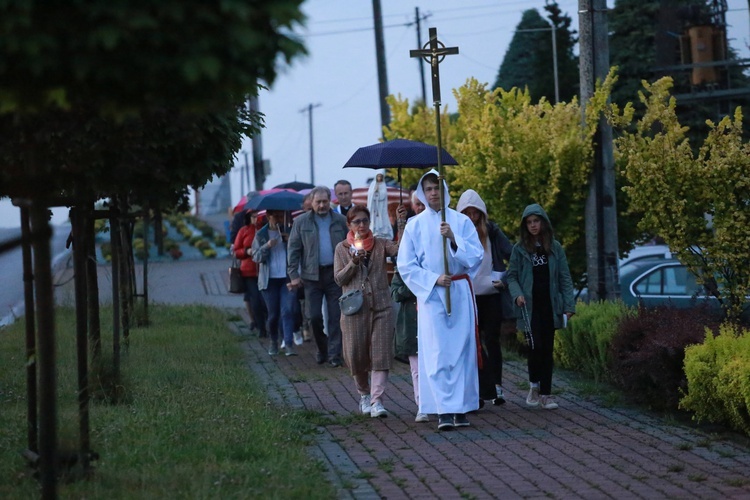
[447, 344]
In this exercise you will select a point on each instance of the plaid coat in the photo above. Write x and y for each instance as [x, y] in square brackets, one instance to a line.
[367, 336]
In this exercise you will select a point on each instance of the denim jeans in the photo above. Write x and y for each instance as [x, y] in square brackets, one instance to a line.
[257, 304]
[280, 304]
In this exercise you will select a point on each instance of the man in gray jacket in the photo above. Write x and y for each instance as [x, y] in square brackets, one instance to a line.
[312, 242]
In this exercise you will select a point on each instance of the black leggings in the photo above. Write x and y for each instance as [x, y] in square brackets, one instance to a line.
[540, 358]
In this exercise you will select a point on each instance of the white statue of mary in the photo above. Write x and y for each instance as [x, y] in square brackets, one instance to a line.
[377, 204]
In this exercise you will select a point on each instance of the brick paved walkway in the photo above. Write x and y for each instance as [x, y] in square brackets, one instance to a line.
[582, 450]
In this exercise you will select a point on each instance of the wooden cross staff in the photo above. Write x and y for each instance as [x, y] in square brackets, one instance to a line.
[434, 52]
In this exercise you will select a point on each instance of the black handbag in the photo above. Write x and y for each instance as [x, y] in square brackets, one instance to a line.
[236, 282]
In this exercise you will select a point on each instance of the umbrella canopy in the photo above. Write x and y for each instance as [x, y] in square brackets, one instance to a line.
[398, 153]
[280, 200]
[296, 185]
[401, 153]
[240, 205]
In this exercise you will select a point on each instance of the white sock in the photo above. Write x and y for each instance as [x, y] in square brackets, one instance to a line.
[534, 384]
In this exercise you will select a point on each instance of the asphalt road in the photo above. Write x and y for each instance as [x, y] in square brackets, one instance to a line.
[11, 271]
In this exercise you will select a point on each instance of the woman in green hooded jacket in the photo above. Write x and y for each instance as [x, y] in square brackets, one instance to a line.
[542, 290]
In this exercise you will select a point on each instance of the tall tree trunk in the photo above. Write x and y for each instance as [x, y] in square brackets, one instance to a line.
[45, 319]
[31, 364]
[126, 274]
[92, 284]
[144, 295]
[78, 217]
[115, 240]
[158, 228]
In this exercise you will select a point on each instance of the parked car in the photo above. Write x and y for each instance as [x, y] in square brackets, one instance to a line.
[645, 252]
[655, 281]
[637, 253]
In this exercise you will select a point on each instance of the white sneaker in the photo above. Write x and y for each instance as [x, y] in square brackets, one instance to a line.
[422, 417]
[548, 403]
[377, 410]
[298, 339]
[364, 404]
[533, 398]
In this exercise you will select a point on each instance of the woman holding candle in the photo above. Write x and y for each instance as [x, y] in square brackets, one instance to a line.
[367, 335]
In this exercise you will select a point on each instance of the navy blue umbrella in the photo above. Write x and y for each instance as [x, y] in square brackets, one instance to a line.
[280, 200]
[296, 185]
[399, 153]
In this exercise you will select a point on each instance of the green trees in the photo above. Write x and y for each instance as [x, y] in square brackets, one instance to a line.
[127, 100]
[643, 38]
[528, 62]
[699, 202]
[514, 152]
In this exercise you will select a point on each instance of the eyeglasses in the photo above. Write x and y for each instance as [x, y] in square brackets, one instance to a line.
[357, 222]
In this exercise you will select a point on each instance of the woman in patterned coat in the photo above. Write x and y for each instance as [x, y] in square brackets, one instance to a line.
[367, 336]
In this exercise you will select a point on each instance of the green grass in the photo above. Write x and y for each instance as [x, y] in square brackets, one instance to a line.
[193, 422]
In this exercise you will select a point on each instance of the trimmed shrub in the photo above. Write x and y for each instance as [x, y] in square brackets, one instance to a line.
[139, 229]
[169, 244]
[648, 350]
[220, 240]
[139, 248]
[202, 244]
[584, 345]
[718, 378]
[106, 249]
[209, 253]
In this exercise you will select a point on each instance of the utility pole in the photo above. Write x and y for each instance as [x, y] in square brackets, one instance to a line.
[418, 21]
[245, 172]
[601, 206]
[385, 112]
[258, 172]
[309, 112]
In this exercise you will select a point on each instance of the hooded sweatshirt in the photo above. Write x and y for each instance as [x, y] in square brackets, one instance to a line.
[484, 277]
[497, 250]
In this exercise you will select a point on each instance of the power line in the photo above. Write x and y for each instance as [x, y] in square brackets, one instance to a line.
[500, 11]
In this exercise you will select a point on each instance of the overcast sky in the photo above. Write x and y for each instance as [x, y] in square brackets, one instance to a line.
[340, 75]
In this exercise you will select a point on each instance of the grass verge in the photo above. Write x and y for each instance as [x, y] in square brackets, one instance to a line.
[193, 424]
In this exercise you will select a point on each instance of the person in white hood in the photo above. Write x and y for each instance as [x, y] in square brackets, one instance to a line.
[447, 343]
[493, 300]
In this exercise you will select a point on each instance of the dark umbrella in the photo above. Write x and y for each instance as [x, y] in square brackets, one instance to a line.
[280, 200]
[399, 153]
[296, 185]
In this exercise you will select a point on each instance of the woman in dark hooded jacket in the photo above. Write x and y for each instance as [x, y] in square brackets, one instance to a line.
[542, 289]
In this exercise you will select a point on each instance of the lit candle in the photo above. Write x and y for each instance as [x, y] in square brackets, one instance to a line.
[358, 244]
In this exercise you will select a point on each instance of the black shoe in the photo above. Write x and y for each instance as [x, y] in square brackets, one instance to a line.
[335, 362]
[321, 358]
[481, 404]
[445, 422]
[460, 420]
[498, 401]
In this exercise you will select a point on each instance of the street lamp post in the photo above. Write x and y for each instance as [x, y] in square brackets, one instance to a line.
[553, 29]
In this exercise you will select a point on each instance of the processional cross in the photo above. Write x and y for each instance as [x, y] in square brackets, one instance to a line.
[434, 52]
